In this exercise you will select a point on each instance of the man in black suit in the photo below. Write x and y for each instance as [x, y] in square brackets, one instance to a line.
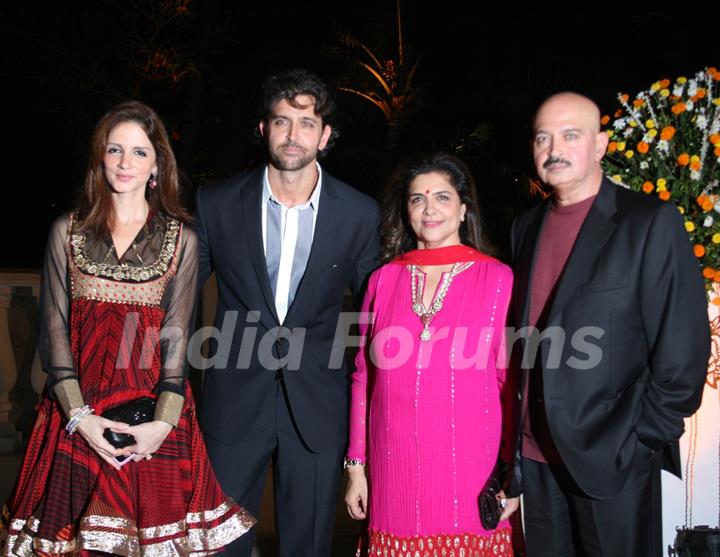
[609, 276]
[284, 241]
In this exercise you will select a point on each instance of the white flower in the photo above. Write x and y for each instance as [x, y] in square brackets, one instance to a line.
[644, 165]
[701, 122]
[689, 106]
[716, 207]
[695, 175]
[647, 138]
[708, 222]
[619, 123]
[692, 88]
[628, 132]
[678, 90]
[663, 146]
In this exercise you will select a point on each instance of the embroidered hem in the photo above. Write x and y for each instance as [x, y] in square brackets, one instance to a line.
[496, 544]
[203, 533]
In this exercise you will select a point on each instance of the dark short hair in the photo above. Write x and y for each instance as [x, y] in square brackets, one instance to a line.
[287, 85]
[395, 230]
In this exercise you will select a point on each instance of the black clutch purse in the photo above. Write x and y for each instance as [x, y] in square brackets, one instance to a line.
[489, 504]
[134, 412]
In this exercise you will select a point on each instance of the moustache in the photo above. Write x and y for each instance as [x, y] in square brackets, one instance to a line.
[555, 160]
[293, 145]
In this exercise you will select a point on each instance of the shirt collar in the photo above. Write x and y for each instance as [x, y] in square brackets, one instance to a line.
[313, 202]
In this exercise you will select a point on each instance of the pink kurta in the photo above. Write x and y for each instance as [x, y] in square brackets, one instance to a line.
[433, 409]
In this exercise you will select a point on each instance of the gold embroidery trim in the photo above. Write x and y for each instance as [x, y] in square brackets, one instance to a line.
[494, 543]
[168, 407]
[126, 272]
[68, 394]
[190, 540]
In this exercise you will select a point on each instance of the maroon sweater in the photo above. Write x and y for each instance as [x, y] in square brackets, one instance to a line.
[559, 232]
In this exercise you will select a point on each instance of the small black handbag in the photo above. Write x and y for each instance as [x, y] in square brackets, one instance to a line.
[133, 412]
[490, 508]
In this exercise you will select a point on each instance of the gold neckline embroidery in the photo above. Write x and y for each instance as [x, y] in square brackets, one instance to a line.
[123, 271]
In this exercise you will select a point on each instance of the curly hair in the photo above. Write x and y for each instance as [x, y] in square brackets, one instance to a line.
[395, 230]
[288, 85]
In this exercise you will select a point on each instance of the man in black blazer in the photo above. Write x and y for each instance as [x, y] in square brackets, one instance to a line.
[609, 279]
[285, 241]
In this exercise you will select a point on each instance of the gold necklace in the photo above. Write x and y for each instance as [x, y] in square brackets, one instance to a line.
[426, 315]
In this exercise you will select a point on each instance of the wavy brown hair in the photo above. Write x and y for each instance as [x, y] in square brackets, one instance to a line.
[95, 209]
[395, 230]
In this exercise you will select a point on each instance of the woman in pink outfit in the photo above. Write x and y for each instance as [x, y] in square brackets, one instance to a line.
[426, 416]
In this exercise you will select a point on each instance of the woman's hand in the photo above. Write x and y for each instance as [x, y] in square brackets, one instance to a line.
[148, 438]
[512, 505]
[91, 427]
[356, 493]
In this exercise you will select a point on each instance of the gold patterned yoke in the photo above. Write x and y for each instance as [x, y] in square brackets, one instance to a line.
[122, 283]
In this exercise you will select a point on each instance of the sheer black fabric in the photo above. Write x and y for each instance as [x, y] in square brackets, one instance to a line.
[177, 301]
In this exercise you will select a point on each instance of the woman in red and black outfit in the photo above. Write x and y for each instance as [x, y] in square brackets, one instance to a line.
[117, 296]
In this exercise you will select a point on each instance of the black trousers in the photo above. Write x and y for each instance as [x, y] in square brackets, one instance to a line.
[562, 521]
[306, 483]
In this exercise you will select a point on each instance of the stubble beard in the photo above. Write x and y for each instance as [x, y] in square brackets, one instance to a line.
[290, 163]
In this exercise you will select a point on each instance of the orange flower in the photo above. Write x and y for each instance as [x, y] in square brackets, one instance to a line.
[707, 205]
[716, 300]
[625, 98]
[637, 103]
[683, 160]
[604, 120]
[664, 83]
[664, 195]
[708, 272]
[678, 108]
[699, 250]
[701, 199]
[612, 146]
[699, 95]
[643, 147]
[717, 151]
[716, 76]
[716, 277]
[648, 187]
[695, 165]
[618, 113]
[667, 133]
[712, 71]
[714, 139]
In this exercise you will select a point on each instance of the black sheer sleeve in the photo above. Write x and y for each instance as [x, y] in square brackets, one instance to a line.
[54, 335]
[179, 302]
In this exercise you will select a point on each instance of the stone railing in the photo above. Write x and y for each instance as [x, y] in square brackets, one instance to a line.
[19, 291]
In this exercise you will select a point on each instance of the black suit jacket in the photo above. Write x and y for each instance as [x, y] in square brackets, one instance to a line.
[344, 252]
[633, 276]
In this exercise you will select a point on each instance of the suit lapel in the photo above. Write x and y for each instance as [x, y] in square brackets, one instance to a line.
[252, 219]
[594, 234]
[526, 259]
[327, 226]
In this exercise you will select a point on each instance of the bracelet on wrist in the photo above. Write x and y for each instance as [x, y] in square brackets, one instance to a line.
[73, 423]
[348, 462]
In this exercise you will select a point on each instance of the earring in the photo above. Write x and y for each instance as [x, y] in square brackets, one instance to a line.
[153, 181]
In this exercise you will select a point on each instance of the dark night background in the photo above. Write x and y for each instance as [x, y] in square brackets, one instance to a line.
[199, 63]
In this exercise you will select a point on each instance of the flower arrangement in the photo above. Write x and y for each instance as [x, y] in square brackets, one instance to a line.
[666, 142]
